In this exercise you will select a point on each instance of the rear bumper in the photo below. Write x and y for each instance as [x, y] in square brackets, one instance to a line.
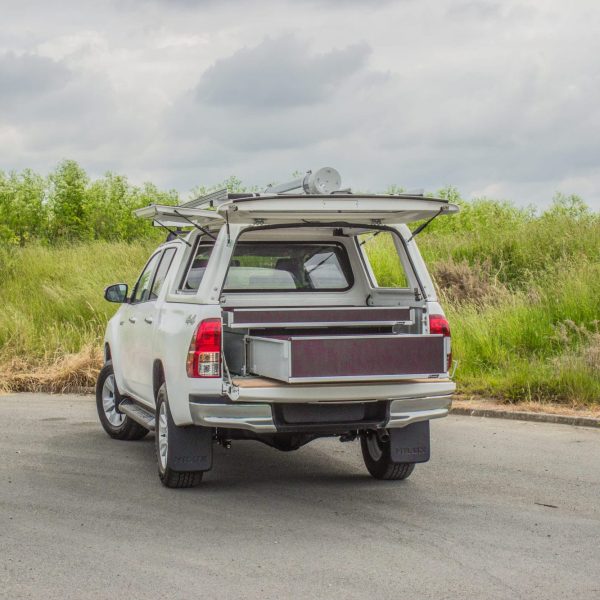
[254, 417]
[258, 416]
[410, 390]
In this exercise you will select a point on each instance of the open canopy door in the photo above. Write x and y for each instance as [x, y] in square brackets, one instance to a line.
[347, 208]
[177, 216]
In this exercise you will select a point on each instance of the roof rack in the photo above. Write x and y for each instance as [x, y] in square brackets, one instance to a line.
[326, 180]
[213, 199]
[206, 210]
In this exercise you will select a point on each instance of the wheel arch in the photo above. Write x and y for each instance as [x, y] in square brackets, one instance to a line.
[158, 376]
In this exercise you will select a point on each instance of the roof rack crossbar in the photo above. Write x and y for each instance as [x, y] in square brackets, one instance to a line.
[212, 199]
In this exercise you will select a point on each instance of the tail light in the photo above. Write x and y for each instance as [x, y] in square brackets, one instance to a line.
[438, 324]
[204, 355]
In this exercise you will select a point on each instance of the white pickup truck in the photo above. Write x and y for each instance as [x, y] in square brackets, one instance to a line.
[280, 317]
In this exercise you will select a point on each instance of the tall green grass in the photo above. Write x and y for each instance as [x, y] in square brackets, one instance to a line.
[536, 345]
[521, 289]
[51, 299]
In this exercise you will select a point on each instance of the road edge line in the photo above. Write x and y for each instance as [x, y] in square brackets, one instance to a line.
[527, 416]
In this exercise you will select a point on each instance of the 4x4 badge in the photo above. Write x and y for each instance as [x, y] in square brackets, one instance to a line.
[190, 319]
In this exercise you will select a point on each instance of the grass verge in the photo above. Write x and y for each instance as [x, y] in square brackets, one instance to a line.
[522, 292]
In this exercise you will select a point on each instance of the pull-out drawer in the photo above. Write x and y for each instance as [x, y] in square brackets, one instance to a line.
[322, 316]
[296, 359]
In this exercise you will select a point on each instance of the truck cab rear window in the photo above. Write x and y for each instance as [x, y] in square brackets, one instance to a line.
[288, 266]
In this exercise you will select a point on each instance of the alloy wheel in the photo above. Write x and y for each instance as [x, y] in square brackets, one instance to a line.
[163, 436]
[109, 402]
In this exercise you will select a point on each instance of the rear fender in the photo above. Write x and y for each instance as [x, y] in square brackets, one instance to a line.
[174, 332]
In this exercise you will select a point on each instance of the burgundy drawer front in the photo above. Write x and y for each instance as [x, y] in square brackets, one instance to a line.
[352, 357]
[324, 315]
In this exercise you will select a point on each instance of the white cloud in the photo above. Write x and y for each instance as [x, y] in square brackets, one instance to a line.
[277, 74]
[497, 98]
[24, 77]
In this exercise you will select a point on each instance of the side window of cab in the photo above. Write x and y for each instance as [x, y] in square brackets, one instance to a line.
[161, 272]
[141, 293]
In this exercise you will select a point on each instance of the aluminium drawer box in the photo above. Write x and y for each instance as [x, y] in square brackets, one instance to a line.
[296, 359]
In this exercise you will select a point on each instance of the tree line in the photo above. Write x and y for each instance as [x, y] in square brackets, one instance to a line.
[67, 206]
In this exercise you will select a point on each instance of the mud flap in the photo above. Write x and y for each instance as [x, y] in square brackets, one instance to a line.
[190, 447]
[410, 444]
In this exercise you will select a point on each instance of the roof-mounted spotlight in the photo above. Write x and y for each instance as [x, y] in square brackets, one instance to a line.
[323, 181]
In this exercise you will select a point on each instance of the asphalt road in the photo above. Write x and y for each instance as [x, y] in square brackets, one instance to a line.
[505, 509]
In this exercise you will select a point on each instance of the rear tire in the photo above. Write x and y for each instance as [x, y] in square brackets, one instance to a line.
[376, 454]
[165, 425]
[118, 425]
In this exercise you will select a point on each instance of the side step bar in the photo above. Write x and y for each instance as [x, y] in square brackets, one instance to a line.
[138, 413]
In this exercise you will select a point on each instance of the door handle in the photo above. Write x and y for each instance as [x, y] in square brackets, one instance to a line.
[148, 320]
[132, 319]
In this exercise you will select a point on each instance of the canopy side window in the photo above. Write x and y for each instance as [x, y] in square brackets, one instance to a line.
[197, 265]
[384, 261]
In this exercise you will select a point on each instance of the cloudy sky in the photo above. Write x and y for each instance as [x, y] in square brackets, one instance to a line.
[499, 98]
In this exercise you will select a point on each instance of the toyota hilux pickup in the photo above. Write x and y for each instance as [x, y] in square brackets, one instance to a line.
[281, 317]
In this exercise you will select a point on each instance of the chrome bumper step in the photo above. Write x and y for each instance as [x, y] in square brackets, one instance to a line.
[139, 414]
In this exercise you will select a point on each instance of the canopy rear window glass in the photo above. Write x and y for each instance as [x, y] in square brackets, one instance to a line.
[289, 266]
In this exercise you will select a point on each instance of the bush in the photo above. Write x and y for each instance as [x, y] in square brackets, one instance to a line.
[67, 206]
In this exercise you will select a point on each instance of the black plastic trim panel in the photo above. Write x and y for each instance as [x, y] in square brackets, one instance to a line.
[198, 399]
[330, 418]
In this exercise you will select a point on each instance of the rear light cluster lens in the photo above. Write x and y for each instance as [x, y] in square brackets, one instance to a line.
[204, 355]
[438, 324]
